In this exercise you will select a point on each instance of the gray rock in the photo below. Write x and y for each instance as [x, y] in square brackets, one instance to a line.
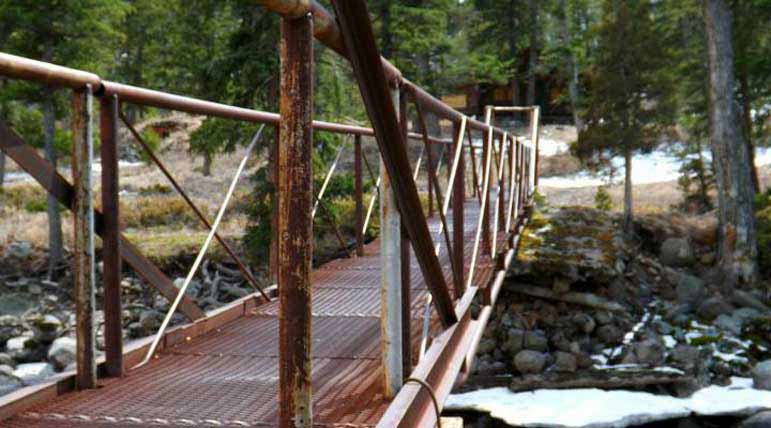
[761, 375]
[24, 349]
[150, 321]
[10, 326]
[584, 322]
[729, 323]
[746, 314]
[565, 362]
[535, 340]
[19, 250]
[685, 356]
[744, 298]
[649, 352]
[583, 360]
[610, 334]
[758, 420]
[486, 346]
[46, 328]
[15, 304]
[62, 352]
[713, 307]
[530, 362]
[690, 290]
[662, 327]
[603, 317]
[677, 252]
[9, 383]
[6, 359]
[6, 369]
[515, 341]
[32, 373]
[233, 291]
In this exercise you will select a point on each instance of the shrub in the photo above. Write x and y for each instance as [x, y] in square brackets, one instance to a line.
[158, 211]
[602, 199]
[29, 197]
[153, 141]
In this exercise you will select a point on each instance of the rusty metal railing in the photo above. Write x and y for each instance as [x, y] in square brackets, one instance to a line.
[503, 177]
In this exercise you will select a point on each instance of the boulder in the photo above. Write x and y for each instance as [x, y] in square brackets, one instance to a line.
[746, 299]
[25, 349]
[10, 326]
[530, 362]
[535, 340]
[150, 321]
[729, 323]
[690, 290]
[761, 375]
[584, 322]
[565, 362]
[32, 373]
[62, 352]
[677, 252]
[650, 352]
[685, 356]
[515, 340]
[46, 327]
[758, 420]
[15, 304]
[713, 307]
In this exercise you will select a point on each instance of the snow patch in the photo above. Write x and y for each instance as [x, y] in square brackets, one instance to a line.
[595, 408]
[655, 167]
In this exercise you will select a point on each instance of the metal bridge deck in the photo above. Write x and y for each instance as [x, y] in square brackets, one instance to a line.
[229, 376]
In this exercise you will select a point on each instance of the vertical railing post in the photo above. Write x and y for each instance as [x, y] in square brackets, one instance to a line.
[295, 226]
[431, 174]
[487, 153]
[83, 243]
[390, 279]
[111, 276]
[359, 195]
[458, 200]
[273, 171]
[406, 250]
[534, 137]
[502, 183]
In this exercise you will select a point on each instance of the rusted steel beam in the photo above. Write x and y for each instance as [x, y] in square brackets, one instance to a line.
[458, 203]
[42, 171]
[295, 226]
[472, 153]
[239, 263]
[502, 183]
[358, 195]
[354, 24]
[83, 263]
[111, 271]
[534, 138]
[404, 245]
[273, 171]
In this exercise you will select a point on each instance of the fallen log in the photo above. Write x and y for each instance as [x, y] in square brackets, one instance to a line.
[585, 299]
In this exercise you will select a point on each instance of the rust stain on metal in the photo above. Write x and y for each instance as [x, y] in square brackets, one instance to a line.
[295, 203]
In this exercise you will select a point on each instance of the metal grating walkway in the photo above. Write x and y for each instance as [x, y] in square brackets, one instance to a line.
[228, 377]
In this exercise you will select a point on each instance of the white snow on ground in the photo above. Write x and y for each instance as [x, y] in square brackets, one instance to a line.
[595, 408]
[654, 167]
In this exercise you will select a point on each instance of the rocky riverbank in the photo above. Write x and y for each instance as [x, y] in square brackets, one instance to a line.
[37, 318]
[582, 307]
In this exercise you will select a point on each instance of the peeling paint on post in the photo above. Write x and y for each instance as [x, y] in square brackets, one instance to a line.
[390, 281]
[111, 277]
[295, 202]
[83, 242]
[406, 254]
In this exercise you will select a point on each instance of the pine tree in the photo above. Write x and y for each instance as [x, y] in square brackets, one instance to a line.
[629, 103]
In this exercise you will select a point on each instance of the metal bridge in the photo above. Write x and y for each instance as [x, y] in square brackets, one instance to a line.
[375, 339]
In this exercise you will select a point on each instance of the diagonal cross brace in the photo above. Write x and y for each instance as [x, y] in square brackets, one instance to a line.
[353, 20]
[40, 169]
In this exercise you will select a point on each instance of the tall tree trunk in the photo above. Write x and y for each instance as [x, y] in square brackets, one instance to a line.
[628, 209]
[514, 54]
[208, 158]
[55, 245]
[533, 52]
[737, 237]
[744, 90]
[2, 170]
[570, 65]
